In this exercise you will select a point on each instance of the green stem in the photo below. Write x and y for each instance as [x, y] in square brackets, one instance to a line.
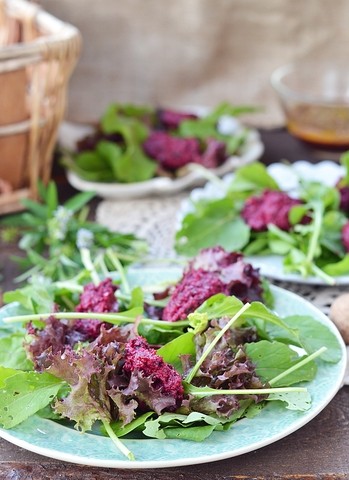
[207, 175]
[210, 347]
[118, 266]
[246, 391]
[298, 365]
[149, 301]
[88, 264]
[68, 302]
[321, 274]
[314, 239]
[121, 446]
[69, 285]
[100, 263]
[114, 318]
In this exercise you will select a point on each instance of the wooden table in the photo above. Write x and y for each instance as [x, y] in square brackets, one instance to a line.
[319, 450]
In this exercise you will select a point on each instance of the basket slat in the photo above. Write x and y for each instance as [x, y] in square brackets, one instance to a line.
[43, 59]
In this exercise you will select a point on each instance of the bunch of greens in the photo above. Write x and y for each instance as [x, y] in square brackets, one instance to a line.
[53, 235]
[114, 152]
[220, 340]
[308, 248]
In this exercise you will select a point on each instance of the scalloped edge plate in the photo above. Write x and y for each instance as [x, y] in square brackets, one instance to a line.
[159, 186]
[53, 440]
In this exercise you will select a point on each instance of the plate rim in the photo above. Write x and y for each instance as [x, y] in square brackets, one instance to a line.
[147, 464]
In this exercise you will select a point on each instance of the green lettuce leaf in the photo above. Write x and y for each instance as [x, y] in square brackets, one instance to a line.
[24, 393]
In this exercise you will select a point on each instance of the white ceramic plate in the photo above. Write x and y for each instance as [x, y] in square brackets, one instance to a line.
[70, 133]
[54, 440]
[287, 177]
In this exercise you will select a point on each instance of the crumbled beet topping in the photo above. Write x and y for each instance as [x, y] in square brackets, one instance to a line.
[345, 236]
[171, 152]
[344, 198]
[174, 152]
[214, 155]
[214, 259]
[272, 207]
[99, 299]
[195, 287]
[140, 357]
[170, 119]
[213, 271]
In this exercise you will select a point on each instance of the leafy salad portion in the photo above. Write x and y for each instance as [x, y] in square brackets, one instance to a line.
[307, 228]
[54, 236]
[110, 354]
[134, 143]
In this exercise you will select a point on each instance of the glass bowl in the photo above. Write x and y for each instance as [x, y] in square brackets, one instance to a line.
[315, 99]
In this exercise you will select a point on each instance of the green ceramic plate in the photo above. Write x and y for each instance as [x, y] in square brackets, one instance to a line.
[273, 423]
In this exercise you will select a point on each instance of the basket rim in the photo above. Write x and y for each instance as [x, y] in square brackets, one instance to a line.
[56, 30]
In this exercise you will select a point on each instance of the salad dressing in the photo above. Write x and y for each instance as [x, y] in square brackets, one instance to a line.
[324, 125]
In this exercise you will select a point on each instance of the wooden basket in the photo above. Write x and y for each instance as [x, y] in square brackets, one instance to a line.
[37, 56]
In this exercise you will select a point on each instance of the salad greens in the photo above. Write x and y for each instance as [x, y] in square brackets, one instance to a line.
[85, 382]
[52, 236]
[313, 245]
[116, 151]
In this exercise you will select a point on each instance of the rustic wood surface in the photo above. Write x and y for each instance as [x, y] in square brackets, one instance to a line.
[319, 450]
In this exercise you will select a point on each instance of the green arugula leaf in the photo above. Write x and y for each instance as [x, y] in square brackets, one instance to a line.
[23, 394]
[40, 211]
[220, 305]
[226, 108]
[7, 311]
[318, 192]
[338, 268]
[195, 434]
[33, 298]
[273, 358]
[88, 165]
[344, 160]
[182, 345]
[195, 427]
[216, 224]
[300, 401]
[135, 166]
[136, 424]
[331, 233]
[12, 353]
[78, 201]
[253, 178]
[198, 321]
[6, 373]
[308, 334]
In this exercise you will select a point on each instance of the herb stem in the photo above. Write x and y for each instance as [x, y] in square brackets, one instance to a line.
[244, 391]
[210, 347]
[314, 239]
[88, 264]
[208, 175]
[121, 446]
[69, 285]
[149, 301]
[321, 274]
[114, 318]
[118, 266]
[297, 365]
